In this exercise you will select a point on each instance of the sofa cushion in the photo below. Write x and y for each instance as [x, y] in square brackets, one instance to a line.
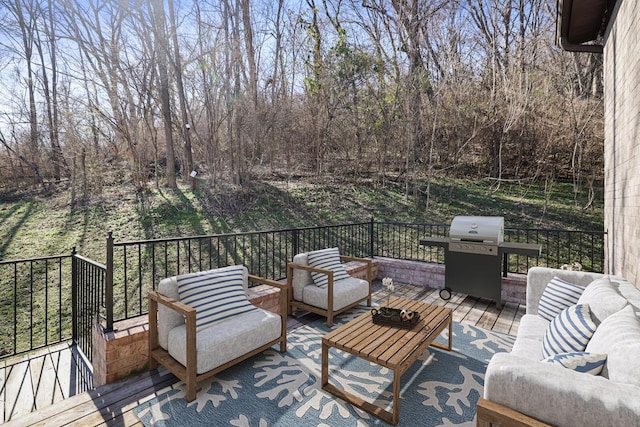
[570, 331]
[580, 361]
[327, 259]
[226, 340]
[558, 295]
[619, 336]
[215, 294]
[603, 299]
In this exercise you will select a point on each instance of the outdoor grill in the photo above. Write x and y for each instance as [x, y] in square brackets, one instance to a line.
[474, 255]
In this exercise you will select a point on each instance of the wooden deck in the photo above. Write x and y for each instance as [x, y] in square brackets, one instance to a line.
[53, 387]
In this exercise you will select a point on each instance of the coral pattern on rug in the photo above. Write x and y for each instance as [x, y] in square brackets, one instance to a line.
[283, 390]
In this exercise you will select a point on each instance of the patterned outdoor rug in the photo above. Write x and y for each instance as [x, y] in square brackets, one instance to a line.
[274, 389]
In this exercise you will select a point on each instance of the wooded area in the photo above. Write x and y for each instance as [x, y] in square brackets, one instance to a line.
[97, 91]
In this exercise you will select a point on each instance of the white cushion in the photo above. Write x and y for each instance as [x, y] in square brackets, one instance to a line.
[619, 336]
[570, 331]
[215, 294]
[226, 340]
[580, 361]
[327, 259]
[345, 292]
[533, 327]
[558, 295]
[603, 299]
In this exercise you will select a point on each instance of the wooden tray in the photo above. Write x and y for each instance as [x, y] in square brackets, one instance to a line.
[391, 317]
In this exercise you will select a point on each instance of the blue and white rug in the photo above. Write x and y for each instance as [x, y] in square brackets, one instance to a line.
[283, 390]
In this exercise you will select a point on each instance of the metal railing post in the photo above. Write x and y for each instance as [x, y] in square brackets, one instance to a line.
[296, 245]
[371, 236]
[74, 295]
[108, 286]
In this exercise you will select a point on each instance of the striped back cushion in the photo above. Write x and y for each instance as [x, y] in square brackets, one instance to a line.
[215, 294]
[557, 296]
[570, 331]
[328, 259]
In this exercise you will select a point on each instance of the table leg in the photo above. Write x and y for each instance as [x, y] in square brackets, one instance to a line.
[395, 417]
[448, 346]
[325, 364]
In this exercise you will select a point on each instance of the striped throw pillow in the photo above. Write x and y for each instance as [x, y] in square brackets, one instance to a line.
[558, 295]
[570, 331]
[327, 259]
[580, 361]
[215, 294]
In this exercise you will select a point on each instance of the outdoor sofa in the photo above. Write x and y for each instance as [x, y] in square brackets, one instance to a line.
[520, 386]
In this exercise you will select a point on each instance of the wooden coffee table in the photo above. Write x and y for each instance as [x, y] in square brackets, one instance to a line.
[389, 346]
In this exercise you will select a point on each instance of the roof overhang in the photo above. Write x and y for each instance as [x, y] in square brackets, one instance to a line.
[583, 22]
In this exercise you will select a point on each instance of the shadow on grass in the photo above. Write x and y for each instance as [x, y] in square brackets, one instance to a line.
[10, 235]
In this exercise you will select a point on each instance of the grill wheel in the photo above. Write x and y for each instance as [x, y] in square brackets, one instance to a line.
[445, 294]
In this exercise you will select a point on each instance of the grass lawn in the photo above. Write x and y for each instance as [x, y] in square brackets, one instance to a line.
[33, 225]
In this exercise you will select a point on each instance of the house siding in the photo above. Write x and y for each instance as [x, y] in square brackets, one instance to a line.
[622, 141]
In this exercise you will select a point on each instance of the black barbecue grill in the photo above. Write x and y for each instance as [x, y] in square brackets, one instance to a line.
[473, 255]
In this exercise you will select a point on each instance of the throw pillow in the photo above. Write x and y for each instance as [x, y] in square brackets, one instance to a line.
[619, 336]
[558, 295]
[327, 259]
[570, 331]
[603, 299]
[580, 361]
[215, 294]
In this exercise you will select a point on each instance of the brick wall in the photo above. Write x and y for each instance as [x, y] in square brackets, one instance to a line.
[622, 140]
[432, 276]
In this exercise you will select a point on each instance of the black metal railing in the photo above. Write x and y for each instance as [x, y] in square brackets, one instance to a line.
[35, 303]
[48, 300]
[88, 296]
[138, 266]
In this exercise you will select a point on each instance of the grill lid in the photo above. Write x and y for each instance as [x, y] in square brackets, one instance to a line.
[483, 229]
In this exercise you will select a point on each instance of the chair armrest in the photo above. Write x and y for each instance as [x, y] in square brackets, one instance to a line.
[156, 297]
[265, 281]
[173, 304]
[355, 258]
[368, 261]
[293, 265]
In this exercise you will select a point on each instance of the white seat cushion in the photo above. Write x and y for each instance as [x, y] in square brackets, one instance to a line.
[345, 292]
[532, 327]
[226, 340]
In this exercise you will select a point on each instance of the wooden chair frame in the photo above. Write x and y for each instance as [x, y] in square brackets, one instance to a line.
[490, 414]
[188, 374]
[329, 313]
